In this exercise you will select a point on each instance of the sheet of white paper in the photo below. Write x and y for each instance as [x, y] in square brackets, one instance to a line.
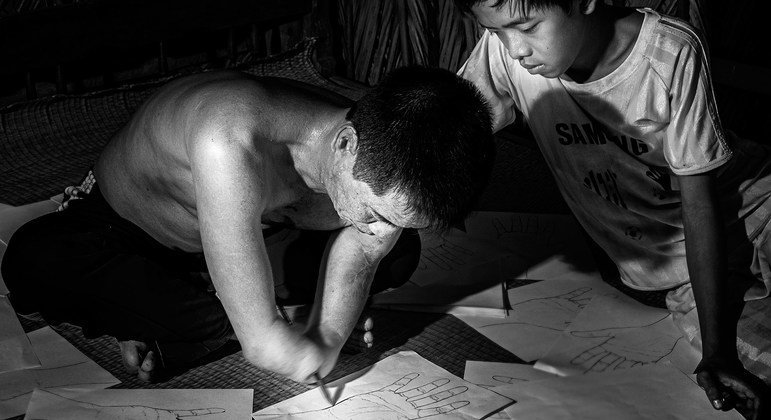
[545, 246]
[442, 256]
[502, 378]
[615, 332]
[492, 375]
[539, 313]
[12, 218]
[62, 365]
[15, 349]
[403, 385]
[468, 293]
[209, 404]
[457, 273]
[3, 288]
[648, 392]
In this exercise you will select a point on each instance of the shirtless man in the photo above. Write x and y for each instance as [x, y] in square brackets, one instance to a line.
[210, 161]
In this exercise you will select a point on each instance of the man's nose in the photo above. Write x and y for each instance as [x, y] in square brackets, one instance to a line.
[363, 228]
[516, 46]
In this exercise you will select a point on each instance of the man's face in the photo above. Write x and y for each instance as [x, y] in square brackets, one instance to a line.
[546, 42]
[358, 206]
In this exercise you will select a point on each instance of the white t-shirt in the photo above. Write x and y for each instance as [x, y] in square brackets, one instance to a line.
[615, 144]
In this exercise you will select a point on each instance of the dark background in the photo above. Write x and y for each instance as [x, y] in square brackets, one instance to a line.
[358, 39]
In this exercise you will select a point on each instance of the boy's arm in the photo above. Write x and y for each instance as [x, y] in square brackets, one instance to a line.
[347, 270]
[720, 373]
[486, 69]
[232, 188]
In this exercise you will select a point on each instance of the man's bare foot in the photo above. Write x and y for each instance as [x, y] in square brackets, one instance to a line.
[361, 337]
[140, 358]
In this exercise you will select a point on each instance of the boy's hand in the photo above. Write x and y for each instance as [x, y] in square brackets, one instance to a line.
[729, 385]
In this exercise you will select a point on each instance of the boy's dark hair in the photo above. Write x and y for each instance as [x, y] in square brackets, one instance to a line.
[524, 6]
[425, 133]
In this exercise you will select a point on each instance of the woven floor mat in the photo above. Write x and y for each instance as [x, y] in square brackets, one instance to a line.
[441, 339]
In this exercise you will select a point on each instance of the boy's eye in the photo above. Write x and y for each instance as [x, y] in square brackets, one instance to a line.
[530, 29]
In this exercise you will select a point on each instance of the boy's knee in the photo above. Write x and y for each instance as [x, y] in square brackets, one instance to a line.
[398, 266]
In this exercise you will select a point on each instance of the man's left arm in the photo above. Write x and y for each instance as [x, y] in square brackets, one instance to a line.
[720, 373]
[347, 270]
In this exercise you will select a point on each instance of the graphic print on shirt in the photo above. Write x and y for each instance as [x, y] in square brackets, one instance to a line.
[660, 174]
[596, 133]
[633, 232]
[604, 184]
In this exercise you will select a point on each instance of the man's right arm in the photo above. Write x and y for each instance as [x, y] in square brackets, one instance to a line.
[231, 195]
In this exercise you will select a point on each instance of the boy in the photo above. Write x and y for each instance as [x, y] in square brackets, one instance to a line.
[191, 187]
[621, 106]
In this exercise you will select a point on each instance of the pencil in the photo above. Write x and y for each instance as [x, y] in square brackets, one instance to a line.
[323, 387]
[283, 314]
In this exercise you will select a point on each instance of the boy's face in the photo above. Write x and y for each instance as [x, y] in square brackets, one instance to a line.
[546, 42]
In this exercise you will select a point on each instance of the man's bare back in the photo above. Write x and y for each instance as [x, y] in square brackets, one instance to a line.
[145, 172]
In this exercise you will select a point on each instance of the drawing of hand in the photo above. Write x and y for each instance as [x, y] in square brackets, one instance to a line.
[444, 256]
[144, 412]
[622, 348]
[516, 226]
[508, 379]
[553, 312]
[395, 402]
[86, 410]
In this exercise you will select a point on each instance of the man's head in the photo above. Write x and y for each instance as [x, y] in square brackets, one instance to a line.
[548, 37]
[423, 146]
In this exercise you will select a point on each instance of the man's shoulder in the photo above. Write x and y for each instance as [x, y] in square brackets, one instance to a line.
[216, 89]
[214, 104]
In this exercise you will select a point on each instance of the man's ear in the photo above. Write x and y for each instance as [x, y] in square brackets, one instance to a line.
[587, 6]
[347, 139]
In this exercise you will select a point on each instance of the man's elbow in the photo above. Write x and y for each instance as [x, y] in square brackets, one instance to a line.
[264, 356]
[255, 356]
[279, 358]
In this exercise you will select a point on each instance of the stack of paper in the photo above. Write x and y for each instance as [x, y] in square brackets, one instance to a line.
[465, 272]
[539, 314]
[404, 386]
[458, 273]
[15, 349]
[69, 404]
[614, 333]
[597, 353]
[62, 365]
[12, 218]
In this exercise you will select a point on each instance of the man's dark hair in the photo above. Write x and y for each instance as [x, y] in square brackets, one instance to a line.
[523, 6]
[425, 133]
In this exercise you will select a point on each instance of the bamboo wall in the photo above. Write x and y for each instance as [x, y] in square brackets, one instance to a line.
[380, 35]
